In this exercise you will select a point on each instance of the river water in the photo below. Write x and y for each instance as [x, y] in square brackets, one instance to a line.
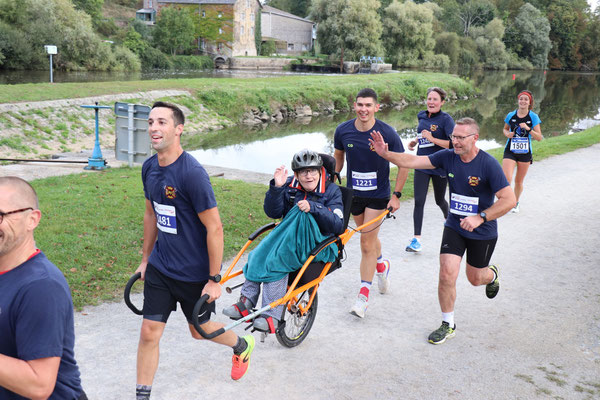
[565, 101]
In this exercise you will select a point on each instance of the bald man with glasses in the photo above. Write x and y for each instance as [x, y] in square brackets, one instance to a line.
[475, 178]
[37, 333]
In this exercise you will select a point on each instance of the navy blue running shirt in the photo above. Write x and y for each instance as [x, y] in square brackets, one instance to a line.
[36, 321]
[367, 173]
[473, 187]
[441, 125]
[178, 193]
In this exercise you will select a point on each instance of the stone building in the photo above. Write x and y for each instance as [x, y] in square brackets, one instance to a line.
[227, 26]
[292, 34]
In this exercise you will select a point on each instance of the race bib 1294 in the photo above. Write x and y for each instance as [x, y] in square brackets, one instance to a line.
[463, 205]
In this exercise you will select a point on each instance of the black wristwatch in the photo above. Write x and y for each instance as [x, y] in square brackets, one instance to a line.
[216, 278]
[397, 194]
[484, 216]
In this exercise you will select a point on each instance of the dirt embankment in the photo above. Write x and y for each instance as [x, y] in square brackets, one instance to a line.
[44, 128]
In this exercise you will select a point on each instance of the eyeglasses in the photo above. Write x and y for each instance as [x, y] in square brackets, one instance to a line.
[310, 171]
[2, 214]
[460, 138]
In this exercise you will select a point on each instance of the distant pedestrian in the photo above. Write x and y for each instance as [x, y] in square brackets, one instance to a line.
[520, 126]
[37, 333]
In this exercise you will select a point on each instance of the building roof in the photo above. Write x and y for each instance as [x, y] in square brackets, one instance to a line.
[273, 10]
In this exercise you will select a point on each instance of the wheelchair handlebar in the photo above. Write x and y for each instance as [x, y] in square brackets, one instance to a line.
[261, 230]
[127, 293]
[197, 326]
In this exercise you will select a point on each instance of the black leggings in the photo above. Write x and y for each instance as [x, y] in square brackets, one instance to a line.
[421, 185]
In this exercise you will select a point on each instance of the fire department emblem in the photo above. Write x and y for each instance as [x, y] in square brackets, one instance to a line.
[433, 128]
[170, 192]
[474, 180]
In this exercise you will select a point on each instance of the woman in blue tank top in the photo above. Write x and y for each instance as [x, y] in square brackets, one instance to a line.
[520, 126]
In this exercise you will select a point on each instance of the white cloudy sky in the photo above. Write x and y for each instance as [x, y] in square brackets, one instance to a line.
[593, 4]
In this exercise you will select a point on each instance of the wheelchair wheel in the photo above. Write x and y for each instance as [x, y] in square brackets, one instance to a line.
[294, 327]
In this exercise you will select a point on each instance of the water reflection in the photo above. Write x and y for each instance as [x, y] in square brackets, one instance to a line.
[566, 102]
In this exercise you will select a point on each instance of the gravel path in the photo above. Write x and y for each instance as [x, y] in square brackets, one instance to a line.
[539, 339]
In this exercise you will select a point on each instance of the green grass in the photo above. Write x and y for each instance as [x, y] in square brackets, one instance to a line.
[232, 97]
[92, 226]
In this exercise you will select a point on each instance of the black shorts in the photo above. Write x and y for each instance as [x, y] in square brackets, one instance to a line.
[479, 252]
[360, 203]
[527, 157]
[162, 293]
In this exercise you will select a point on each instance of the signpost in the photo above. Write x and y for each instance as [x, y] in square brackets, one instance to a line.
[51, 49]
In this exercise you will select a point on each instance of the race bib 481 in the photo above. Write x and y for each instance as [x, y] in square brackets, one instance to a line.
[166, 218]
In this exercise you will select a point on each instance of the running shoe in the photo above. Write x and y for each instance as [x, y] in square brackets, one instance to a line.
[515, 209]
[442, 333]
[492, 288]
[360, 307]
[414, 246]
[241, 362]
[239, 309]
[383, 279]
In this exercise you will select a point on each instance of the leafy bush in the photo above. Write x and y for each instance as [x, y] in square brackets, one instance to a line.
[268, 48]
[192, 62]
[152, 58]
[106, 26]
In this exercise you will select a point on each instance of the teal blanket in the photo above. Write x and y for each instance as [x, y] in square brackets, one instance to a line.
[287, 248]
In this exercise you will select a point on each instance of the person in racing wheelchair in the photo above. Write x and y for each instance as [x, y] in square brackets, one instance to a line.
[312, 210]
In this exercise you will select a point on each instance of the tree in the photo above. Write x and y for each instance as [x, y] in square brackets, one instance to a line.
[475, 13]
[409, 32]
[175, 30]
[92, 7]
[348, 28]
[37, 23]
[528, 36]
[565, 21]
[490, 47]
[297, 7]
[448, 43]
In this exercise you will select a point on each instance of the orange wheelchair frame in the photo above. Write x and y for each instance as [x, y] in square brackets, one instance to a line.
[301, 302]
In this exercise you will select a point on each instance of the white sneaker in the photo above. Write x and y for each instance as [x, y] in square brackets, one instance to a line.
[360, 306]
[383, 279]
[516, 209]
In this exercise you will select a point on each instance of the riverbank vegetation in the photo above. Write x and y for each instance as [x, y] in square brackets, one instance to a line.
[97, 244]
[491, 34]
[210, 103]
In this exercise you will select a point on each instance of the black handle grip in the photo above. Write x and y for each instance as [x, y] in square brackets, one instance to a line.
[127, 294]
[195, 313]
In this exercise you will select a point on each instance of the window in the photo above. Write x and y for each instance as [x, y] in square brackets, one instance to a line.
[290, 46]
[203, 13]
[219, 46]
[149, 3]
[252, 17]
[220, 14]
[252, 31]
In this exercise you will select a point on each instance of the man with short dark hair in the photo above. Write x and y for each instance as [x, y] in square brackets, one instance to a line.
[37, 333]
[183, 246]
[474, 177]
[368, 175]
